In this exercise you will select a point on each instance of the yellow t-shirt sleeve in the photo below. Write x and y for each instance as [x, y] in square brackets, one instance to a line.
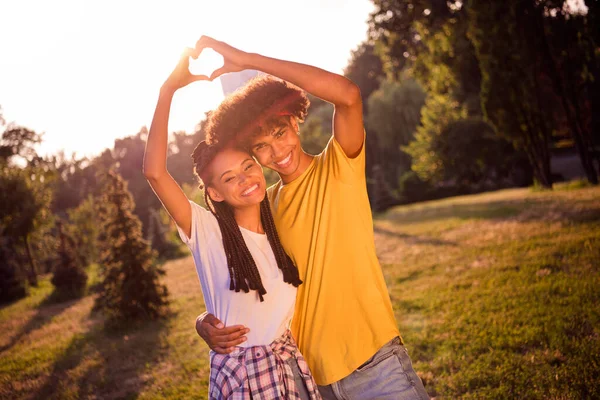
[344, 168]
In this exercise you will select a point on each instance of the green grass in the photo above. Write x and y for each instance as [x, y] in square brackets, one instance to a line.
[497, 295]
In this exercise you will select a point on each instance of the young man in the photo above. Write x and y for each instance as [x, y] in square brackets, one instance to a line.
[343, 322]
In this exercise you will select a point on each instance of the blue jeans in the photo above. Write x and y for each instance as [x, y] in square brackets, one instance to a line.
[387, 375]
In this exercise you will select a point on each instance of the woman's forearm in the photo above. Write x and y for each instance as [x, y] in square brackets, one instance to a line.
[155, 157]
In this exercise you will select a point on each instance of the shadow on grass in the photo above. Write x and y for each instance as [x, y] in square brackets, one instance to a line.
[413, 239]
[527, 209]
[49, 308]
[106, 364]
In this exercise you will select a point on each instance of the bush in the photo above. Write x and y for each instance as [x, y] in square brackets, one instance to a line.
[69, 278]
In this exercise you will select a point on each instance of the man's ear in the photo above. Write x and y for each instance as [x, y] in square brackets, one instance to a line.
[214, 195]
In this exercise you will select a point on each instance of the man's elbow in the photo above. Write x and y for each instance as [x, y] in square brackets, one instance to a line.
[352, 97]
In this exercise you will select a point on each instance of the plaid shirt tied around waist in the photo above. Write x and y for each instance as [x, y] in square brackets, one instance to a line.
[260, 372]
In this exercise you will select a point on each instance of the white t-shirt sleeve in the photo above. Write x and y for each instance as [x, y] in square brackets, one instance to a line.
[202, 221]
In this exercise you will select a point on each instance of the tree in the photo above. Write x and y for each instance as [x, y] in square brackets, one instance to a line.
[12, 282]
[572, 65]
[130, 289]
[24, 203]
[512, 93]
[18, 141]
[366, 70]
[69, 278]
[394, 114]
[84, 229]
[439, 112]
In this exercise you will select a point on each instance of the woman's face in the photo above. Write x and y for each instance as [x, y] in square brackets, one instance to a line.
[236, 179]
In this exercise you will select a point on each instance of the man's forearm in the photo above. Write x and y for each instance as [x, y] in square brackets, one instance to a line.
[333, 88]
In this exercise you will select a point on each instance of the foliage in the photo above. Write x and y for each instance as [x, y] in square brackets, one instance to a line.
[18, 141]
[512, 89]
[130, 288]
[438, 113]
[316, 130]
[24, 201]
[394, 114]
[68, 278]
[366, 70]
[84, 229]
[12, 281]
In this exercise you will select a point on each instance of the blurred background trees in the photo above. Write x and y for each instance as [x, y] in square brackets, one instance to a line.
[459, 97]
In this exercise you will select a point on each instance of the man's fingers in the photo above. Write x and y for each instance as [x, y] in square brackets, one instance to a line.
[232, 343]
[214, 321]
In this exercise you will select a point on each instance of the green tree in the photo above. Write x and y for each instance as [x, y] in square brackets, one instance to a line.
[439, 112]
[12, 282]
[512, 93]
[366, 70]
[130, 289]
[24, 203]
[68, 278]
[394, 114]
[83, 227]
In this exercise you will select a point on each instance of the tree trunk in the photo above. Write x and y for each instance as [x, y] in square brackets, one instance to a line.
[569, 101]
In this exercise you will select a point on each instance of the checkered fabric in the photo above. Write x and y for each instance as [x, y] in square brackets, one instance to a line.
[260, 372]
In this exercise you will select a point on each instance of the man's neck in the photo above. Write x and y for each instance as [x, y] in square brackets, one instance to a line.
[305, 160]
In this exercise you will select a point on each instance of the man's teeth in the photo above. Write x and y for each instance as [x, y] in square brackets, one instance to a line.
[249, 190]
[285, 160]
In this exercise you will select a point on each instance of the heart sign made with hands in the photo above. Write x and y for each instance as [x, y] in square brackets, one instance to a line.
[206, 63]
[233, 60]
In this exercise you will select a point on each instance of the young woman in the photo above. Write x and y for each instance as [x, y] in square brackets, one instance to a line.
[247, 278]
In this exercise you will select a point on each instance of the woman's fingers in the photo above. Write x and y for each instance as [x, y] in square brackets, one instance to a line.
[218, 72]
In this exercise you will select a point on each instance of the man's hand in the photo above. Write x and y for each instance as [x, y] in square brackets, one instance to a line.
[219, 338]
[234, 59]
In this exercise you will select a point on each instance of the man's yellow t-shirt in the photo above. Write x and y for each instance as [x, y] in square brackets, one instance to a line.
[343, 313]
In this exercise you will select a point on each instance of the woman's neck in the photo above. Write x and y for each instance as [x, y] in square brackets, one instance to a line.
[249, 218]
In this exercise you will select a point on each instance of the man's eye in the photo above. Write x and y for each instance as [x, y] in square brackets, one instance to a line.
[279, 134]
[227, 180]
[250, 165]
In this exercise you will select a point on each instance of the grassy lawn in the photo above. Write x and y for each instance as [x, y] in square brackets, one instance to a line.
[497, 296]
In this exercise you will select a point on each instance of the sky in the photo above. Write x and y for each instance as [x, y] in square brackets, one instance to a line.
[87, 72]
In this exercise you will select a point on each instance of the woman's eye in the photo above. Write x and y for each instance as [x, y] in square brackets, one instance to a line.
[249, 166]
[227, 180]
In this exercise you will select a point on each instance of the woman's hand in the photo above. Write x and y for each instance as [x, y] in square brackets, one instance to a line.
[181, 75]
[234, 60]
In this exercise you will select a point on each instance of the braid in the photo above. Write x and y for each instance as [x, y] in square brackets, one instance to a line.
[285, 263]
[243, 273]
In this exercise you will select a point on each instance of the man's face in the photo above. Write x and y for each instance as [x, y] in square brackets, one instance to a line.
[279, 149]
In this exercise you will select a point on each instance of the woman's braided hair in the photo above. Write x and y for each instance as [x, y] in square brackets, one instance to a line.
[243, 272]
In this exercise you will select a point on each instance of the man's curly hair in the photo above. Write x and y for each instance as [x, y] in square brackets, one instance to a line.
[254, 108]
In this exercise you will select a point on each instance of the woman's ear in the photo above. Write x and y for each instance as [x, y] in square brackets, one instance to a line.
[214, 195]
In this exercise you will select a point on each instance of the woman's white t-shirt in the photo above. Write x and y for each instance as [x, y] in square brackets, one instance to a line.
[266, 320]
